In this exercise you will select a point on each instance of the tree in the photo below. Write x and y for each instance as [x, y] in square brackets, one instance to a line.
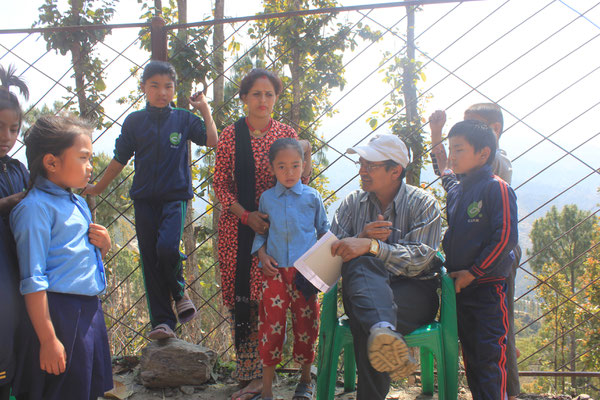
[115, 202]
[560, 262]
[87, 68]
[307, 52]
[403, 110]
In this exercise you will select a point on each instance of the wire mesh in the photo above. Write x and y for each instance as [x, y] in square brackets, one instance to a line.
[531, 58]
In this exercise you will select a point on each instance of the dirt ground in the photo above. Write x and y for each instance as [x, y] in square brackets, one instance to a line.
[128, 387]
[222, 386]
[283, 389]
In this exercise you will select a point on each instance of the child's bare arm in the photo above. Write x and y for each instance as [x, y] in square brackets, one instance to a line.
[53, 357]
[436, 124]
[114, 168]
[100, 238]
[307, 149]
[269, 264]
[199, 102]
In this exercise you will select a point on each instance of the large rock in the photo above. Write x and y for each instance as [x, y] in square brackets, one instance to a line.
[174, 362]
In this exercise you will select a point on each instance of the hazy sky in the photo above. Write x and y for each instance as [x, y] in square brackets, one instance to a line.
[536, 58]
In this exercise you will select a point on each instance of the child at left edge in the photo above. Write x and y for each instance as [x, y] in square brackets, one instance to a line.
[297, 217]
[478, 244]
[13, 182]
[157, 137]
[60, 253]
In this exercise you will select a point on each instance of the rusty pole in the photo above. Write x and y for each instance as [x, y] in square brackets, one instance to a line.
[158, 39]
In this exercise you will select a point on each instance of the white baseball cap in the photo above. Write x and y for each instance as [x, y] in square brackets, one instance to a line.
[383, 147]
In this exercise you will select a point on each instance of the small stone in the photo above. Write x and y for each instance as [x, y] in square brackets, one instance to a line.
[187, 389]
[174, 362]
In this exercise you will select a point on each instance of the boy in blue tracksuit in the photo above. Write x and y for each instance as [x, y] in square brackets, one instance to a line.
[157, 136]
[482, 232]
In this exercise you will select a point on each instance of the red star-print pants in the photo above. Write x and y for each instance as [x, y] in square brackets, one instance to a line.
[279, 295]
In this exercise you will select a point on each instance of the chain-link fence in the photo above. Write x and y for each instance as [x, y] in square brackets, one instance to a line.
[348, 73]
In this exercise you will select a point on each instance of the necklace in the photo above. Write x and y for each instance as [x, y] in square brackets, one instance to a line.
[258, 132]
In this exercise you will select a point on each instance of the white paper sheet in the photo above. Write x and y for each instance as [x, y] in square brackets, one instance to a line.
[318, 265]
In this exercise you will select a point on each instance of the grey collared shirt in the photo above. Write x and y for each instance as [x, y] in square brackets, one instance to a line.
[413, 211]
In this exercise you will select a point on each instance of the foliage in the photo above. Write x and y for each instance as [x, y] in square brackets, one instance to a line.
[88, 69]
[569, 247]
[568, 330]
[116, 201]
[307, 52]
[33, 114]
[187, 50]
[394, 110]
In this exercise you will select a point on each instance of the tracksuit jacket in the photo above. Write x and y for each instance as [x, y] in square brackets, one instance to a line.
[482, 231]
[158, 138]
[482, 225]
[161, 187]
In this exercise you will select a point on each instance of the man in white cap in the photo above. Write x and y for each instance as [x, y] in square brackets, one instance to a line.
[389, 234]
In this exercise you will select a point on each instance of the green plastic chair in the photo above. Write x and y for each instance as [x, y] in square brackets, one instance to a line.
[437, 340]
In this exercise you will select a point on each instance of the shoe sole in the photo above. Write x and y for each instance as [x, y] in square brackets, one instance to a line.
[408, 369]
[389, 353]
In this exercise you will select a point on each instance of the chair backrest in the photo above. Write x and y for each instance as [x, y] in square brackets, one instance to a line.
[329, 317]
[448, 306]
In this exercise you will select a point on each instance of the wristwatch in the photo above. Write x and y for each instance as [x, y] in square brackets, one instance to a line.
[374, 248]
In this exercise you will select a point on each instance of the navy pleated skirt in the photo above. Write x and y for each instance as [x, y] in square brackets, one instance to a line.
[79, 325]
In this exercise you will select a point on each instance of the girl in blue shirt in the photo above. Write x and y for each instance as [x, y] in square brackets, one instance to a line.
[60, 255]
[296, 218]
[13, 181]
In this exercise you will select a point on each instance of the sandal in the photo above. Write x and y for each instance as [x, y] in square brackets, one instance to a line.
[304, 391]
[161, 331]
[186, 311]
[242, 393]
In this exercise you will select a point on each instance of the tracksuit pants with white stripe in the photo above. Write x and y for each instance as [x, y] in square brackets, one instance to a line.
[482, 328]
[159, 227]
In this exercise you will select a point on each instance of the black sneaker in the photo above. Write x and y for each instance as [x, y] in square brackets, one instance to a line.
[388, 352]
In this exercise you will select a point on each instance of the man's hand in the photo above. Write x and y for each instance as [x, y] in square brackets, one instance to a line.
[462, 279]
[349, 248]
[269, 264]
[377, 229]
[100, 238]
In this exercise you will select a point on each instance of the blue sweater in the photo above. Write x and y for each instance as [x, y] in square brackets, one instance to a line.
[13, 176]
[482, 225]
[158, 139]
[13, 179]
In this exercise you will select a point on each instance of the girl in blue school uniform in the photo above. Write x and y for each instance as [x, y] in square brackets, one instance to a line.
[60, 251]
[13, 182]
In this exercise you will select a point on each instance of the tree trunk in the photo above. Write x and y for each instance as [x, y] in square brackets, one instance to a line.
[414, 139]
[572, 339]
[189, 238]
[295, 71]
[218, 101]
[78, 69]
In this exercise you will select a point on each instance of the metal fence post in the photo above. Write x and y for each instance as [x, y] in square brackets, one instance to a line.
[158, 39]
